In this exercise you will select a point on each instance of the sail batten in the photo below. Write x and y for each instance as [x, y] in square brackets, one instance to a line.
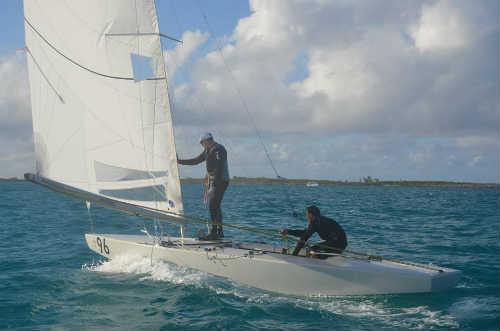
[110, 137]
[143, 34]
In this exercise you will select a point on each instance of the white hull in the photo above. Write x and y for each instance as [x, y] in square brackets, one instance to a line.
[287, 274]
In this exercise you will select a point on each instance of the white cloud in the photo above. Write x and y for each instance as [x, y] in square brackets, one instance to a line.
[475, 160]
[371, 69]
[175, 58]
[14, 94]
[441, 27]
[477, 141]
[16, 147]
[364, 73]
[15, 157]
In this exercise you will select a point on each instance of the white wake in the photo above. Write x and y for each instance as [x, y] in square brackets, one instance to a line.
[142, 266]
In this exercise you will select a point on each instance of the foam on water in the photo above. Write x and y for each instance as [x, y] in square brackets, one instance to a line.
[149, 270]
[374, 308]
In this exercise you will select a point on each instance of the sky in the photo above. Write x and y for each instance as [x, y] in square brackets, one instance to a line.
[340, 89]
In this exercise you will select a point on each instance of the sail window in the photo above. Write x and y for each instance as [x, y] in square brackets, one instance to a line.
[108, 173]
[147, 193]
[142, 67]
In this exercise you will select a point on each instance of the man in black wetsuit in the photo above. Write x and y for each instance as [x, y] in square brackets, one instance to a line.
[335, 240]
[217, 178]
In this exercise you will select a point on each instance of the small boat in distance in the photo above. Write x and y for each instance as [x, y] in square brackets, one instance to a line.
[312, 184]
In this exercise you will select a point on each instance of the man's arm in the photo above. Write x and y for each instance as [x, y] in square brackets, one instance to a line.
[304, 237]
[303, 234]
[300, 245]
[197, 160]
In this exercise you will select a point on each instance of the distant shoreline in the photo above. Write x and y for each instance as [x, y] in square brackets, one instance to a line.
[11, 179]
[326, 182]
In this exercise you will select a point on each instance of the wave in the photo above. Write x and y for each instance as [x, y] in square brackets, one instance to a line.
[377, 309]
[476, 307]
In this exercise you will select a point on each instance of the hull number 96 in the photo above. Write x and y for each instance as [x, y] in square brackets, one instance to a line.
[101, 243]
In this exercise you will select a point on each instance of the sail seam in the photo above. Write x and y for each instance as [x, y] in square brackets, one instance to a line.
[43, 74]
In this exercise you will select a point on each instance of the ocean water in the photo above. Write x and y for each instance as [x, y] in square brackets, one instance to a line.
[49, 279]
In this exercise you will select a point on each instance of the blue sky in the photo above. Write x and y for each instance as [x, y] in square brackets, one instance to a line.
[339, 90]
[11, 26]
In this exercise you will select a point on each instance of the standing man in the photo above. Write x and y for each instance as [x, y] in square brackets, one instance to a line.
[335, 239]
[216, 180]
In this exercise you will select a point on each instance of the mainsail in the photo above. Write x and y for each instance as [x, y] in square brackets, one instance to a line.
[100, 107]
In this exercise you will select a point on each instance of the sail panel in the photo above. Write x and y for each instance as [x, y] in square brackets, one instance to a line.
[103, 201]
[108, 173]
[87, 107]
[146, 193]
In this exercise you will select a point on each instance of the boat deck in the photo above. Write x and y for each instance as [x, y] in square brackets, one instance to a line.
[264, 266]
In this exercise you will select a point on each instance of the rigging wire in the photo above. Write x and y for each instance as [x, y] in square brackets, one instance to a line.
[240, 94]
[247, 110]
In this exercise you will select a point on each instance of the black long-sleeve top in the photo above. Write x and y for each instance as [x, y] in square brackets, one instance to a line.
[216, 161]
[327, 228]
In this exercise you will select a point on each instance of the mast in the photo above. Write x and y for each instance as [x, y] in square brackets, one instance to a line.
[172, 131]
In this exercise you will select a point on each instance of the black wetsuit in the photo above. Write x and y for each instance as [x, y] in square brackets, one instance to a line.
[218, 172]
[335, 239]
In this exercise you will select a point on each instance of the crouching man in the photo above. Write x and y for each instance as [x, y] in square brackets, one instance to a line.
[335, 239]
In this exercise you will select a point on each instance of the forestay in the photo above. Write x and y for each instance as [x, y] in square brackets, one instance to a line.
[101, 121]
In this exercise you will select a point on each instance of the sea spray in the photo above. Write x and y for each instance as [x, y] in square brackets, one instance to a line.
[142, 266]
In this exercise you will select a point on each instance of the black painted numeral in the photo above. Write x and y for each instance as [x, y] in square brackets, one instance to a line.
[102, 245]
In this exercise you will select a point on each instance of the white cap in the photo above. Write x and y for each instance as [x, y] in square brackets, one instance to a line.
[206, 136]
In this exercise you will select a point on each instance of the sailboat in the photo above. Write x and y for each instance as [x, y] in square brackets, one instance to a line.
[103, 133]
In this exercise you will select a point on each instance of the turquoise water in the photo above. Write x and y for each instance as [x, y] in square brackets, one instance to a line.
[49, 279]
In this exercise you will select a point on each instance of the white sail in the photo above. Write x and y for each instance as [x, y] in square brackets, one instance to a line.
[101, 122]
